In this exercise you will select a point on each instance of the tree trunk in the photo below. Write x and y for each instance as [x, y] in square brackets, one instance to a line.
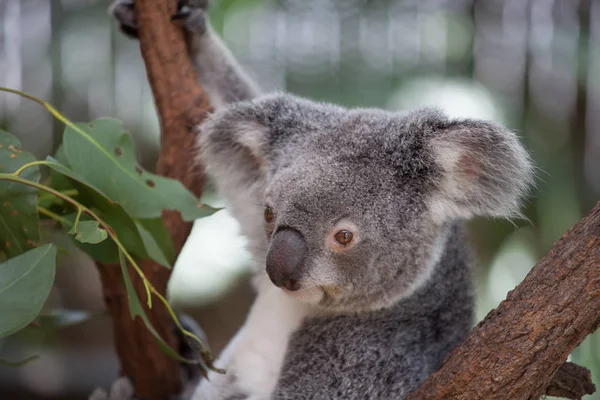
[181, 104]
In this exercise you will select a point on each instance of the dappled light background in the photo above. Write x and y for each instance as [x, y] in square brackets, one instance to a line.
[533, 65]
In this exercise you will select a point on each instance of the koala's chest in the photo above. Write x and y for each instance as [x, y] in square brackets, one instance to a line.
[253, 359]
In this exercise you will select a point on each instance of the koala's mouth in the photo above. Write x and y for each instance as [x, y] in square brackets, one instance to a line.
[321, 296]
[312, 295]
[285, 266]
[332, 292]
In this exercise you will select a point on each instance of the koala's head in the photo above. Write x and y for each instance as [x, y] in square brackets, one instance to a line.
[347, 209]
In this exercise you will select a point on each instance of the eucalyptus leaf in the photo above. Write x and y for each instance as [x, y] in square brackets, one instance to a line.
[104, 252]
[136, 310]
[19, 220]
[58, 179]
[136, 238]
[157, 229]
[105, 157]
[25, 283]
[157, 246]
[88, 232]
[162, 253]
[62, 170]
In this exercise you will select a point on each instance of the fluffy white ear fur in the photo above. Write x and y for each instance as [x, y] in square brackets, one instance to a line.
[485, 172]
[233, 155]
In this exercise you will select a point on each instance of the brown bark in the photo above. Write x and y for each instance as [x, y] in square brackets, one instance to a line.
[516, 350]
[571, 382]
[180, 103]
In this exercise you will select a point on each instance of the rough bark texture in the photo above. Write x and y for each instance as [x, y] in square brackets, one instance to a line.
[571, 382]
[180, 103]
[516, 350]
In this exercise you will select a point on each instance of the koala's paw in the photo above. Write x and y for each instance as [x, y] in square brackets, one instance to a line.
[192, 373]
[122, 389]
[124, 12]
[193, 12]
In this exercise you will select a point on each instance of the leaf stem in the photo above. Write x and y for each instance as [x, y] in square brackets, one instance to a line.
[32, 164]
[68, 123]
[54, 216]
[66, 192]
[76, 223]
[81, 208]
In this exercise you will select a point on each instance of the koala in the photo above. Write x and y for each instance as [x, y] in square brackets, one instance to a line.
[355, 220]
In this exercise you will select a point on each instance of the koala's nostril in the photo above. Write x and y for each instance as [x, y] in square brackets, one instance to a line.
[292, 285]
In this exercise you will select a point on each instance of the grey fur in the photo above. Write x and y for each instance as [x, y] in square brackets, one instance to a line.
[315, 164]
[383, 354]
[391, 307]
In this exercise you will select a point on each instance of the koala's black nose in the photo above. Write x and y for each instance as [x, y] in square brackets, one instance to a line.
[285, 257]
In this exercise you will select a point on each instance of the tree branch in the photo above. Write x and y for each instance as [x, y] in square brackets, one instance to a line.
[515, 352]
[181, 104]
[571, 382]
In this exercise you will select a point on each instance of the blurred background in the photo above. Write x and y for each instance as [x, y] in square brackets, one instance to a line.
[532, 65]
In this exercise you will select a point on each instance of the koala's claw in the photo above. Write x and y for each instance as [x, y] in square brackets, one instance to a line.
[193, 12]
[124, 12]
[184, 9]
[182, 13]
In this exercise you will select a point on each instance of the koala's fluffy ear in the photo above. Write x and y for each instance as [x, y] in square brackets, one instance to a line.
[484, 169]
[240, 143]
[232, 149]
[232, 143]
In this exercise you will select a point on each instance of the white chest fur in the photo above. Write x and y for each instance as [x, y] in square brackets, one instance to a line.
[255, 355]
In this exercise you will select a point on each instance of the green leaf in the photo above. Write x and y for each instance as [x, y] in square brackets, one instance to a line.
[105, 252]
[60, 157]
[58, 179]
[136, 310]
[158, 246]
[19, 221]
[126, 230]
[135, 237]
[105, 157]
[88, 232]
[67, 176]
[157, 241]
[25, 283]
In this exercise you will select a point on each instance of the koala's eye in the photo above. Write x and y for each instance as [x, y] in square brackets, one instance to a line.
[343, 237]
[269, 215]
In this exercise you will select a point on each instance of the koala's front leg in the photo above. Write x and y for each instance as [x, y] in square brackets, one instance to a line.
[218, 71]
